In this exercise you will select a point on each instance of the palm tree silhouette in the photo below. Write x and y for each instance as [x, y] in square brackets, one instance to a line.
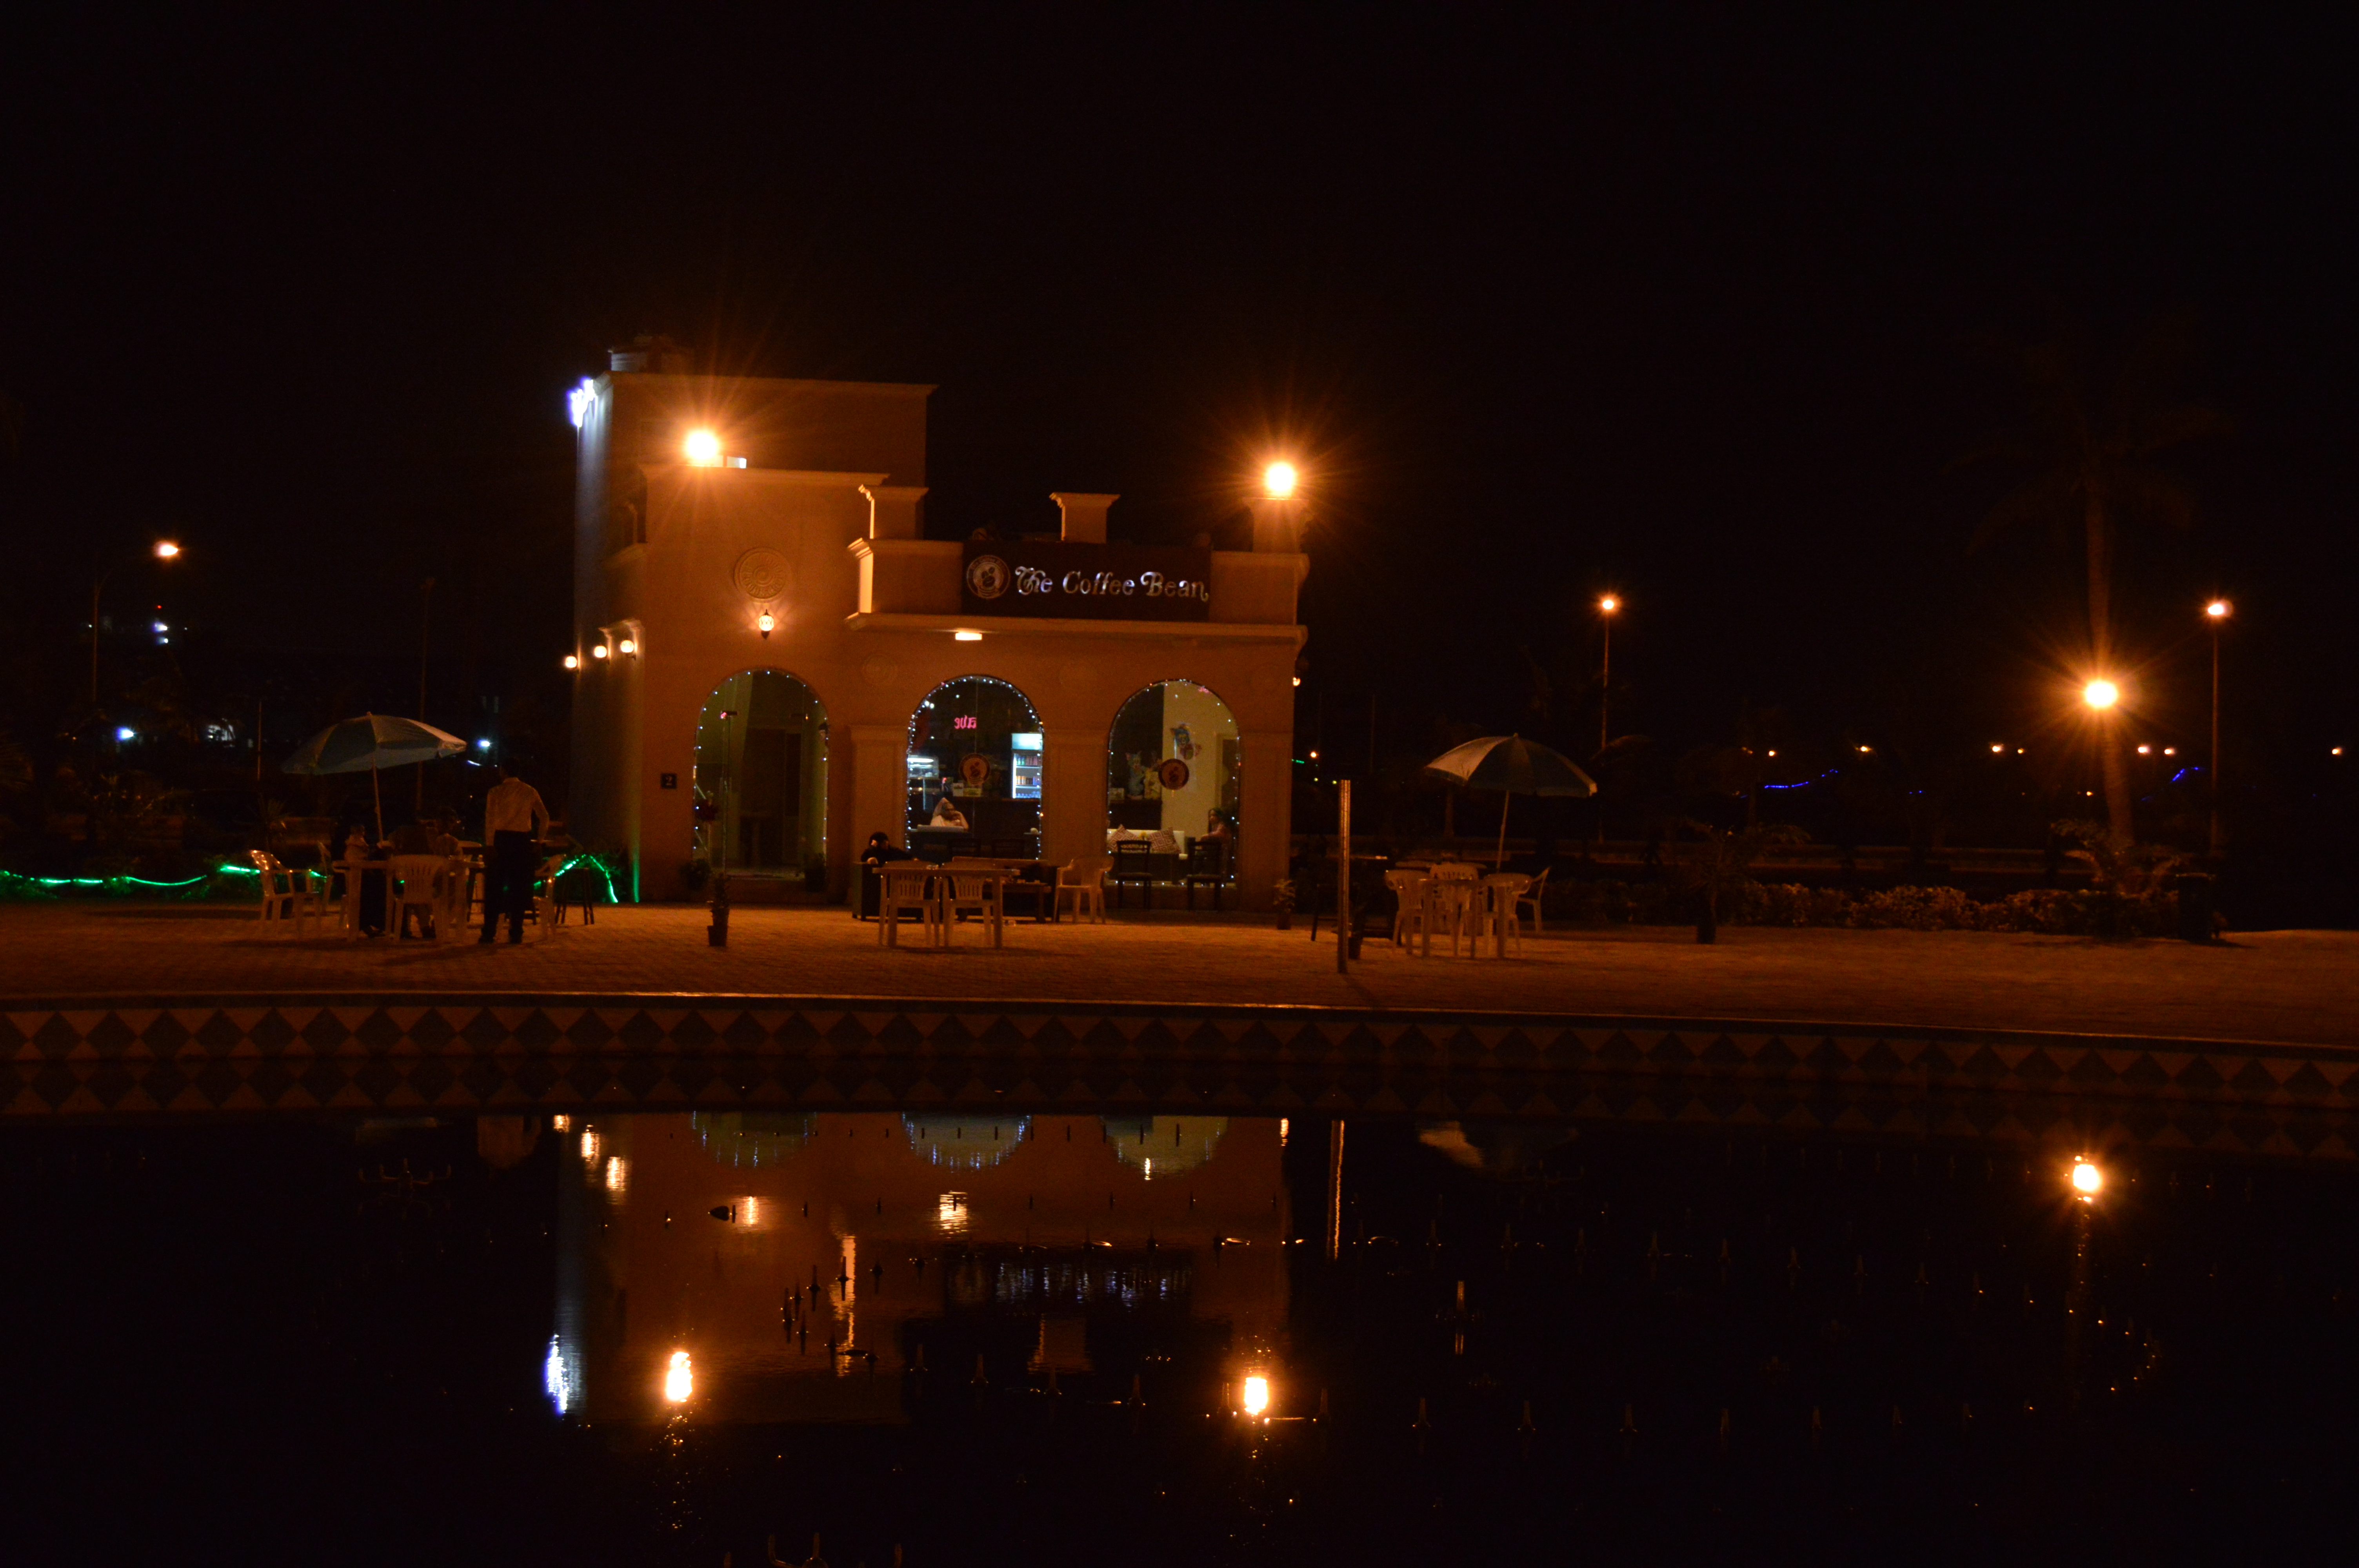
[2086, 453]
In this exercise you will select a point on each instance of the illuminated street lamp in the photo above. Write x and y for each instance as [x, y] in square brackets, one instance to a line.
[2218, 610]
[703, 450]
[1279, 479]
[1608, 606]
[1255, 1399]
[2101, 693]
[2088, 1181]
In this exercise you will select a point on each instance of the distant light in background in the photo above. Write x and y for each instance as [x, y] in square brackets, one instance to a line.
[158, 627]
[580, 401]
[483, 745]
[589, 1146]
[166, 550]
[598, 650]
[703, 449]
[2087, 1180]
[2219, 610]
[966, 636]
[618, 1176]
[2146, 751]
[560, 1123]
[1257, 1394]
[766, 622]
[572, 661]
[554, 1379]
[124, 732]
[1997, 748]
[627, 646]
[679, 1378]
[2170, 750]
[1609, 604]
[2101, 693]
[1279, 479]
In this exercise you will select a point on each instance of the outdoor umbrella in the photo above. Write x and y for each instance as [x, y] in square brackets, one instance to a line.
[373, 740]
[1512, 766]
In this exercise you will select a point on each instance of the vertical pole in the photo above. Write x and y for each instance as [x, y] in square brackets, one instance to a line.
[1605, 694]
[1334, 1189]
[425, 605]
[1342, 876]
[1372, 735]
[95, 589]
[2216, 737]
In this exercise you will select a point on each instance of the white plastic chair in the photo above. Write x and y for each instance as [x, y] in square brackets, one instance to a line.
[1530, 898]
[414, 882]
[972, 887]
[1501, 894]
[1086, 890]
[902, 887]
[1409, 889]
[289, 893]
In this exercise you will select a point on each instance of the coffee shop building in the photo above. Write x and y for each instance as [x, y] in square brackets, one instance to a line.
[772, 662]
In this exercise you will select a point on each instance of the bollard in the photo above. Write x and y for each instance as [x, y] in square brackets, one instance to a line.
[717, 934]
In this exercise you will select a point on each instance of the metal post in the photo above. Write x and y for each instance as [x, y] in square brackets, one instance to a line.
[425, 607]
[1342, 876]
[1604, 695]
[2216, 737]
[1334, 1189]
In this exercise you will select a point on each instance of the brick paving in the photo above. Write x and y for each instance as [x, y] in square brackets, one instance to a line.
[2276, 986]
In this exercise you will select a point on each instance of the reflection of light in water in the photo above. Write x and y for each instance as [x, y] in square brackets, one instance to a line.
[679, 1382]
[1164, 1145]
[752, 1137]
[562, 1123]
[749, 1211]
[618, 1176]
[950, 1213]
[2087, 1180]
[589, 1146]
[1282, 1130]
[965, 1144]
[1256, 1395]
[558, 1378]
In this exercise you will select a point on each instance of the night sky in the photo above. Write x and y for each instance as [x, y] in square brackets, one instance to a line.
[1673, 301]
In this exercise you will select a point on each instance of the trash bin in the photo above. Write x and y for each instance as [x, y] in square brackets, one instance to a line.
[2195, 890]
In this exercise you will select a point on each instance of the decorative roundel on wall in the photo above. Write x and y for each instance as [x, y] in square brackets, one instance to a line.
[975, 769]
[761, 574]
[1173, 773]
[987, 576]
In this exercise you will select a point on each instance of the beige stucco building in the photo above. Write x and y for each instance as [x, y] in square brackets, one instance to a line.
[773, 663]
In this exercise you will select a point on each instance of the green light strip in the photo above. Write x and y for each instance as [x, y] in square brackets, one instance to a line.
[224, 869]
[602, 871]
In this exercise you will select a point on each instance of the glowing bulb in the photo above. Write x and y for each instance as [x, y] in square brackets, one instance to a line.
[166, 550]
[1609, 604]
[598, 651]
[1256, 1395]
[2146, 751]
[679, 1378]
[2219, 610]
[1996, 749]
[767, 622]
[125, 732]
[2101, 693]
[703, 449]
[580, 401]
[966, 636]
[1279, 480]
[626, 646]
[572, 661]
[2087, 1180]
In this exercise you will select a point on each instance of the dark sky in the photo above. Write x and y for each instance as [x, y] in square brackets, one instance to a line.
[1671, 300]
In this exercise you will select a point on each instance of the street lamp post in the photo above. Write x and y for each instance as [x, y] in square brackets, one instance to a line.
[2102, 695]
[1606, 607]
[166, 550]
[2218, 610]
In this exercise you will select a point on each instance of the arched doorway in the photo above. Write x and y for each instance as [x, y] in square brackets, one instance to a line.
[1172, 784]
[975, 742]
[760, 784]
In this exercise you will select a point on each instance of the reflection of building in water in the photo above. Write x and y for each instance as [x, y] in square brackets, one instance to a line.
[782, 1252]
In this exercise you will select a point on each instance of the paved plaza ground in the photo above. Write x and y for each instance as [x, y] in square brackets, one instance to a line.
[2293, 986]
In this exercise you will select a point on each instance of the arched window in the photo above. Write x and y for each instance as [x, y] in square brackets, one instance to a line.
[760, 784]
[1171, 781]
[974, 771]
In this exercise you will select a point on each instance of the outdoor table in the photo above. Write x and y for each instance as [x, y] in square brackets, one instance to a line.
[993, 877]
[1027, 875]
[356, 874]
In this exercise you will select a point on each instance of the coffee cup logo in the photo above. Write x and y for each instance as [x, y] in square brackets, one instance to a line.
[987, 576]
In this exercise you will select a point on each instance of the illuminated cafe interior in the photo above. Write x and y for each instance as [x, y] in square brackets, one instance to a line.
[781, 1267]
[772, 661]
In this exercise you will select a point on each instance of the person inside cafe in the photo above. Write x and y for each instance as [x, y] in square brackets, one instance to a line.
[514, 819]
[948, 815]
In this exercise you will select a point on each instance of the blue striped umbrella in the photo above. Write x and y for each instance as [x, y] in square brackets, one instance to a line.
[372, 741]
[1512, 766]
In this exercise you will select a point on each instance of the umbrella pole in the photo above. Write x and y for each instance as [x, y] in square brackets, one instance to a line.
[377, 794]
[1499, 862]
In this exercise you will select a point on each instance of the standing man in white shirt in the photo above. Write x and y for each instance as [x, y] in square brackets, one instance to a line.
[513, 817]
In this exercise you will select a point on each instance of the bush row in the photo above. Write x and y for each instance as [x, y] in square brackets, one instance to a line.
[2046, 910]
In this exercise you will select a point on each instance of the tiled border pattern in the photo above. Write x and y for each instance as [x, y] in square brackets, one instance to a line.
[78, 1057]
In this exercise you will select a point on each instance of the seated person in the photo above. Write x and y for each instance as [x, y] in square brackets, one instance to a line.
[882, 851]
[948, 815]
[1218, 827]
[444, 838]
[412, 838]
